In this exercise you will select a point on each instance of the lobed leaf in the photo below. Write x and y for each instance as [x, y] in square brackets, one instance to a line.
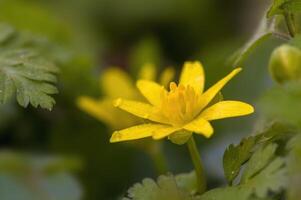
[26, 73]
[236, 156]
[167, 187]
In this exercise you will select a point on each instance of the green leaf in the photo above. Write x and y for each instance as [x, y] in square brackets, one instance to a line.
[27, 74]
[5, 32]
[282, 6]
[283, 103]
[276, 7]
[187, 181]
[271, 179]
[294, 168]
[166, 188]
[227, 193]
[258, 161]
[236, 156]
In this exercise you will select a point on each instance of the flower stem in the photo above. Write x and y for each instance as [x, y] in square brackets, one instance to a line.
[289, 19]
[197, 162]
[158, 159]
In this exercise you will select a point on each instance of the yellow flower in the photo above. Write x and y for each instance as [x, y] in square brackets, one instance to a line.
[182, 110]
[115, 83]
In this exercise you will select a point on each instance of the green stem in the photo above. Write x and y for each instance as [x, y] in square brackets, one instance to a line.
[158, 158]
[289, 19]
[197, 162]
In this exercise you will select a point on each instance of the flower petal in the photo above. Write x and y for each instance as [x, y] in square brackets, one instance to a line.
[200, 126]
[164, 131]
[209, 94]
[225, 109]
[166, 76]
[193, 75]
[139, 109]
[113, 77]
[100, 109]
[135, 132]
[147, 72]
[151, 91]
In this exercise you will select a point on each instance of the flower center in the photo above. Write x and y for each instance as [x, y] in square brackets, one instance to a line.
[180, 105]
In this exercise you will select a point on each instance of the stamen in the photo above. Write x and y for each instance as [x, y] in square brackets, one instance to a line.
[173, 86]
[179, 105]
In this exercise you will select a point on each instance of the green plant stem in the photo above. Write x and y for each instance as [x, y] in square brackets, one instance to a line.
[289, 19]
[158, 158]
[197, 162]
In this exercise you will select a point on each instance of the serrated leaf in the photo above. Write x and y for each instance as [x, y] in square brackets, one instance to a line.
[258, 161]
[26, 73]
[273, 178]
[187, 181]
[227, 193]
[166, 188]
[236, 156]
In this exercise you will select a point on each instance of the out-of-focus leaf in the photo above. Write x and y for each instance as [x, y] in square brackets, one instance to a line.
[283, 103]
[26, 73]
[227, 193]
[30, 16]
[263, 32]
[166, 188]
[294, 169]
[147, 51]
[296, 41]
[236, 156]
[187, 181]
[281, 6]
[276, 7]
[27, 177]
[258, 161]
[271, 179]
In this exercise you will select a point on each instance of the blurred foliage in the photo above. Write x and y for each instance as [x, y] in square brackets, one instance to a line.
[167, 187]
[24, 72]
[33, 177]
[82, 36]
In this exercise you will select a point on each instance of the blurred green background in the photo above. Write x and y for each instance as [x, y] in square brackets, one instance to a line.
[84, 37]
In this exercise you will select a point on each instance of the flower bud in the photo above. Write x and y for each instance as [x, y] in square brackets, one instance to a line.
[285, 64]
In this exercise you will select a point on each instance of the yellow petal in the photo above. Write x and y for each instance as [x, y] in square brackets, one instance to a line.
[166, 76]
[200, 126]
[135, 132]
[116, 83]
[147, 72]
[225, 109]
[151, 91]
[193, 75]
[213, 90]
[139, 109]
[164, 131]
[101, 110]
